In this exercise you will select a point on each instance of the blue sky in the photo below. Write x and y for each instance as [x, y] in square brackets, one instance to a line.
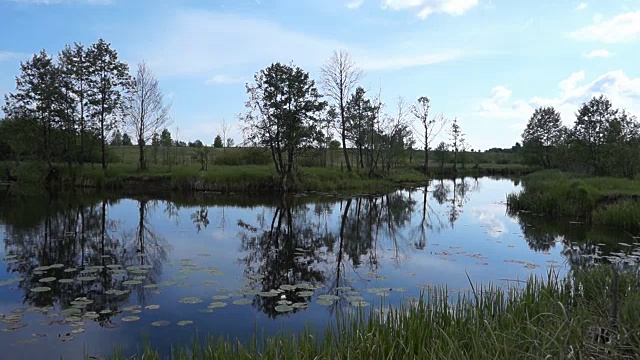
[487, 62]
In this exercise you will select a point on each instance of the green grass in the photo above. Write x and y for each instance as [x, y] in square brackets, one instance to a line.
[607, 201]
[622, 214]
[243, 169]
[590, 314]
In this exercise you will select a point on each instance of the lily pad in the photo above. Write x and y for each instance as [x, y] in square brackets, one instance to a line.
[305, 293]
[287, 287]
[242, 302]
[151, 286]
[217, 305]
[191, 300]
[56, 266]
[152, 307]
[324, 302]
[161, 323]
[70, 270]
[65, 281]
[78, 331]
[130, 318]
[185, 322]
[70, 311]
[283, 308]
[220, 297]
[40, 289]
[132, 308]
[329, 297]
[359, 303]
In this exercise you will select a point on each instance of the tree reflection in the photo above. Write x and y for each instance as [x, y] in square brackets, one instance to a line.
[582, 244]
[284, 252]
[80, 240]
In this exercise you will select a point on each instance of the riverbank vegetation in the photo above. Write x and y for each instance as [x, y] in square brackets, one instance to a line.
[83, 107]
[593, 313]
[600, 157]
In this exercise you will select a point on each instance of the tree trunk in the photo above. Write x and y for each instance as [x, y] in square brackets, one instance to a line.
[103, 140]
[344, 140]
[142, 165]
[426, 159]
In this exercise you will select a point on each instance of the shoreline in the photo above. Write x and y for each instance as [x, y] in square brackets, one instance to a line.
[228, 179]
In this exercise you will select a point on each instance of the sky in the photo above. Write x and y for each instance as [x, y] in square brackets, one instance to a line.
[489, 63]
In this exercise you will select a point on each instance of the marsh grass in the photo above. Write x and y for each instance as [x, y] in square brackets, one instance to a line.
[589, 314]
[613, 202]
[622, 214]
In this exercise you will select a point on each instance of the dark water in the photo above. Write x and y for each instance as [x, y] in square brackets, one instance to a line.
[190, 258]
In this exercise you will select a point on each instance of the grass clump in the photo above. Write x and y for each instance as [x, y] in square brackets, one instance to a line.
[590, 314]
[611, 202]
[623, 214]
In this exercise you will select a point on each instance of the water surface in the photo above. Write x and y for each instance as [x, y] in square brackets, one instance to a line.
[91, 272]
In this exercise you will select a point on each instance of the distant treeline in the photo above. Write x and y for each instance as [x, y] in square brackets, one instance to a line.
[604, 141]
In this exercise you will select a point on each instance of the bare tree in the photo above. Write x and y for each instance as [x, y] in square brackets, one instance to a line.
[340, 74]
[146, 112]
[224, 129]
[431, 127]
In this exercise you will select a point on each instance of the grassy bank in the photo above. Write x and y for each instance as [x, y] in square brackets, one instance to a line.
[591, 314]
[607, 201]
[225, 178]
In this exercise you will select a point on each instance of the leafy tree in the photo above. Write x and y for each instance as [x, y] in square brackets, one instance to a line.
[75, 68]
[107, 82]
[457, 139]
[597, 125]
[126, 140]
[542, 136]
[334, 145]
[230, 142]
[360, 115]
[431, 127]
[116, 140]
[165, 138]
[283, 114]
[146, 112]
[339, 75]
[217, 142]
[39, 95]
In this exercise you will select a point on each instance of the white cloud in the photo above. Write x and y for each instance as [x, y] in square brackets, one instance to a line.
[599, 53]
[498, 106]
[9, 55]
[428, 7]
[406, 61]
[621, 28]
[354, 4]
[581, 6]
[197, 42]
[224, 80]
[623, 91]
[53, 2]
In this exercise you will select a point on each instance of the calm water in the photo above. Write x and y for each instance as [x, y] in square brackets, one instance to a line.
[90, 272]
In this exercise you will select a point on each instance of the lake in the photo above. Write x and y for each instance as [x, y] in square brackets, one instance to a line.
[86, 273]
